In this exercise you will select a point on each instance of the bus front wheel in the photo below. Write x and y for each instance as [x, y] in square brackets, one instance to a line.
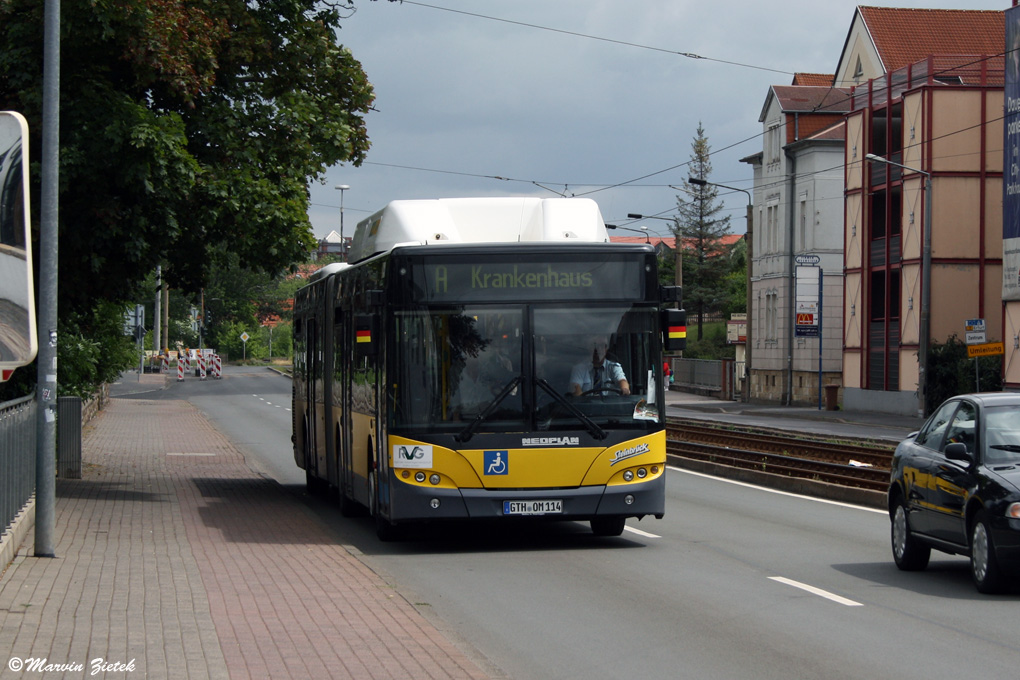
[384, 529]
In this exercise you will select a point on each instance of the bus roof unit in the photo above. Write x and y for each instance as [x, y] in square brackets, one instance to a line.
[478, 220]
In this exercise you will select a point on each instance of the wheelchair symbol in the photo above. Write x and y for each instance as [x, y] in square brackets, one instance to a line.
[496, 462]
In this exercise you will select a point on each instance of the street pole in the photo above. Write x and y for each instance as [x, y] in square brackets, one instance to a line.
[46, 358]
[343, 250]
[749, 238]
[157, 317]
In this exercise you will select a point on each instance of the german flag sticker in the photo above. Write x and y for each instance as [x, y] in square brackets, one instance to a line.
[363, 336]
[677, 332]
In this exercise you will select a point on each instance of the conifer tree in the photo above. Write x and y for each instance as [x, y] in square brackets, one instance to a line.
[701, 229]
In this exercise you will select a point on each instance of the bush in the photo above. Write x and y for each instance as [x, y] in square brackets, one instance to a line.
[951, 372]
[712, 344]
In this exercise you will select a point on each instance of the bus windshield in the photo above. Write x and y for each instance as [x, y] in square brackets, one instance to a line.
[508, 368]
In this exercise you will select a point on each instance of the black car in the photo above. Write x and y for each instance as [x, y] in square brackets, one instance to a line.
[955, 487]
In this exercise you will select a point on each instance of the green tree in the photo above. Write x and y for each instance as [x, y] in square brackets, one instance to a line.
[701, 229]
[952, 372]
[190, 130]
[735, 299]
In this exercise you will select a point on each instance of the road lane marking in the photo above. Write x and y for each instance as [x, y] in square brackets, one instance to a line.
[777, 491]
[640, 533]
[816, 591]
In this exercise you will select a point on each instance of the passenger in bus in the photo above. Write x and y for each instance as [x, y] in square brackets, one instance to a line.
[598, 371]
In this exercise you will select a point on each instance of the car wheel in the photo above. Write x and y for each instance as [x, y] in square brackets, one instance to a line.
[608, 526]
[908, 553]
[984, 567]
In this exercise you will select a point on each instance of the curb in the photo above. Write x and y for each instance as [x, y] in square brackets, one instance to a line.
[12, 540]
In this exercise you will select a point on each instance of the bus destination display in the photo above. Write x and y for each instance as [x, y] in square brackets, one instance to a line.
[611, 279]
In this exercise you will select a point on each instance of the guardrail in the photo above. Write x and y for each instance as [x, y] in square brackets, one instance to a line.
[17, 457]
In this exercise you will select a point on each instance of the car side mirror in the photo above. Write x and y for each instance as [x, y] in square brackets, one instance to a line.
[958, 451]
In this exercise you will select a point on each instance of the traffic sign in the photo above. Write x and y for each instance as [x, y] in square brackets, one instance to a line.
[986, 350]
[244, 336]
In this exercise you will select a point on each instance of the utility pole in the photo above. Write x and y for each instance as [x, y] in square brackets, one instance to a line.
[46, 359]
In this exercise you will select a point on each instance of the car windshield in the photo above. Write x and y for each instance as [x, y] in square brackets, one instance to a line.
[1002, 435]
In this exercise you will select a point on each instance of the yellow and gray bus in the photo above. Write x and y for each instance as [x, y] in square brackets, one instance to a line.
[486, 358]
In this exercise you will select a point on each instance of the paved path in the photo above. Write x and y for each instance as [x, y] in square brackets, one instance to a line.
[177, 560]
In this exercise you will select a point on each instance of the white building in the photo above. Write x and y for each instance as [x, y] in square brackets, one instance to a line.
[798, 228]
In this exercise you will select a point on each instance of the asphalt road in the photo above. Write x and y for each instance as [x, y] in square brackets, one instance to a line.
[735, 582]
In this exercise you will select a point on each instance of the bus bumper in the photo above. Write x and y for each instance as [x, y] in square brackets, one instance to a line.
[412, 503]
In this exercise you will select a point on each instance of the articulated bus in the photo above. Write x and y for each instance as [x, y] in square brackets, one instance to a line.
[486, 358]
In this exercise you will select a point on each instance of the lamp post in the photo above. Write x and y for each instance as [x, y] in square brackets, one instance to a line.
[678, 263]
[749, 239]
[342, 188]
[923, 321]
[643, 230]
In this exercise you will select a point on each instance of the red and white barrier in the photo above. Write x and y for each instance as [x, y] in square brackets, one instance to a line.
[201, 365]
[180, 368]
[217, 366]
[164, 364]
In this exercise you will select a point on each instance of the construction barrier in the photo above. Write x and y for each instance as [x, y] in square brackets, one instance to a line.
[201, 365]
[180, 369]
[217, 366]
[164, 364]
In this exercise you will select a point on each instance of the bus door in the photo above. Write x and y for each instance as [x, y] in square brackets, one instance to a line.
[342, 387]
[313, 370]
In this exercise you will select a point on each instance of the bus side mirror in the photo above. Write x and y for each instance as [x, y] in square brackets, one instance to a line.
[366, 335]
[674, 330]
[669, 294]
[18, 341]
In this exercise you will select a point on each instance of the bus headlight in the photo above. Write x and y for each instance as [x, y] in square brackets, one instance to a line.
[628, 475]
[629, 499]
[642, 473]
[434, 479]
[419, 476]
[434, 503]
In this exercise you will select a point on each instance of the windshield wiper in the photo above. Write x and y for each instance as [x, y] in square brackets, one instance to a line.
[1006, 447]
[468, 432]
[592, 426]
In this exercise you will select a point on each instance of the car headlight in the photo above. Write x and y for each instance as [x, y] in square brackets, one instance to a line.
[1013, 511]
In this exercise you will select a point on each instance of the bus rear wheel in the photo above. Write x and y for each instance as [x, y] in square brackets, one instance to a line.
[608, 526]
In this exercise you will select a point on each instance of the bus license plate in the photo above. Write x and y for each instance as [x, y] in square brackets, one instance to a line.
[548, 507]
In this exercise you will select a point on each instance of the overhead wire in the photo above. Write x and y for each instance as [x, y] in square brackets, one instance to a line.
[688, 55]
[632, 182]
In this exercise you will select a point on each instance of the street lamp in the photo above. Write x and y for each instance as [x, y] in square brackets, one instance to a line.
[342, 188]
[923, 320]
[642, 230]
[749, 240]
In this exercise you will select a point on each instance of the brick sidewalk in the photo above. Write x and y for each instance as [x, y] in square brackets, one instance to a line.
[173, 553]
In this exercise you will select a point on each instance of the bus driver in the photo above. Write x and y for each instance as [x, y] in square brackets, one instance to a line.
[598, 371]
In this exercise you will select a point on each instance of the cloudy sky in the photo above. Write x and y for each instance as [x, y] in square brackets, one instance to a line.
[574, 97]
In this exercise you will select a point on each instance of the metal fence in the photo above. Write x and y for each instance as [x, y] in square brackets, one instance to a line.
[720, 378]
[17, 457]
